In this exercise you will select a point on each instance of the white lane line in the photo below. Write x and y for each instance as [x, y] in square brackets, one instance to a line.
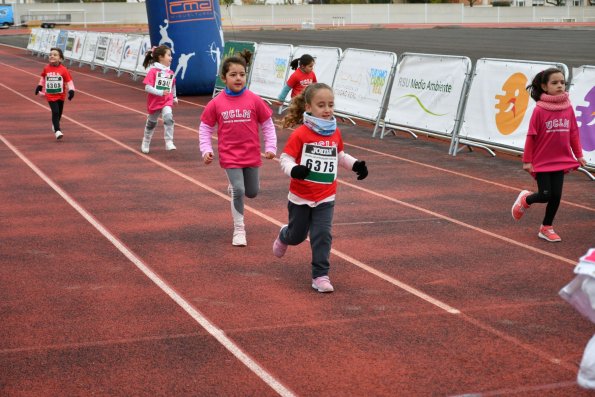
[216, 332]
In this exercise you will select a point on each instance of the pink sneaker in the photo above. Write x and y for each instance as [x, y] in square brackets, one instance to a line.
[547, 233]
[520, 205]
[322, 284]
[279, 247]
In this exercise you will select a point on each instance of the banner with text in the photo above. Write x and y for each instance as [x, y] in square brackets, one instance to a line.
[89, 47]
[362, 81]
[115, 50]
[131, 53]
[426, 92]
[269, 68]
[499, 106]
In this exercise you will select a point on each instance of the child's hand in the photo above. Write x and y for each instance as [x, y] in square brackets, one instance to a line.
[70, 95]
[300, 172]
[165, 92]
[176, 100]
[207, 158]
[582, 161]
[528, 167]
[38, 89]
[359, 167]
[269, 155]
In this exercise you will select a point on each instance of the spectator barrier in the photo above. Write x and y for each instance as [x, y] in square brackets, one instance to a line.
[436, 94]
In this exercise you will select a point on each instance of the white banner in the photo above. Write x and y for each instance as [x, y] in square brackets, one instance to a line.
[131, 53]
[426, 92]
[144, 47]
[102, 47]
[582, 96]
[499, 106]
[269, 69]
[115, 50]
[33, 39]
[89, 47]
[326, 61]
[52, 39]
[361, 82]
[77, 45]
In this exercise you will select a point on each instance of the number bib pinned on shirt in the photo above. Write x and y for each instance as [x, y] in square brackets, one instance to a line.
[322, 162]
[164, 81]
[54, 85]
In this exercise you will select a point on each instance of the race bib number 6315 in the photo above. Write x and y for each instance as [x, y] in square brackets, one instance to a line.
[322, 161]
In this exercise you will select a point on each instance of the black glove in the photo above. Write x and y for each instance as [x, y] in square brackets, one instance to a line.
[359, 167]
[70, 95]
[38, 89]
[300, 172]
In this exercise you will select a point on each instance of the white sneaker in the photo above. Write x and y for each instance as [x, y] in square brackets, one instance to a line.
[144, 147]
[169, 145]
[239, 238]
[59, 134]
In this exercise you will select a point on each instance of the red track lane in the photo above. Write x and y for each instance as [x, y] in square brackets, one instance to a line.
[425, 236]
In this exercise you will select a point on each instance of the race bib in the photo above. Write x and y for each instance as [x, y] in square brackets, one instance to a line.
[164, 81]
[53, 85]
[322, 162]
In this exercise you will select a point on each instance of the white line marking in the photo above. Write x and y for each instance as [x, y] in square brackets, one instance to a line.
[216, 332]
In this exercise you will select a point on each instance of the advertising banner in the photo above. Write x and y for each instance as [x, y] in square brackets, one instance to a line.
[426, 92]
[269, 69]
[89, 47]
[326, 61]
[131, 53]
[362, 82]
[102, 47]
[582, 97]
[145, 46]
[33, 42]
[61, 40]
[115, 51]
[499, 106]
[192, 29]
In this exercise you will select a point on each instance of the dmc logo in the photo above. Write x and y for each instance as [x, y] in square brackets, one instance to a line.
[586, 121]
[511, 106]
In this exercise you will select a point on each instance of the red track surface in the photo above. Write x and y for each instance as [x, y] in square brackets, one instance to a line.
[438, 291]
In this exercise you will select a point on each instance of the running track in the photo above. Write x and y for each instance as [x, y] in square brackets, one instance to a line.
[118, 276]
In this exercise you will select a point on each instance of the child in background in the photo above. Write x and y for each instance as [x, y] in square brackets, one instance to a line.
[302, 77]
[51, 83]
[311, 158]
[160, 84]
[238, 112]
[552, 140]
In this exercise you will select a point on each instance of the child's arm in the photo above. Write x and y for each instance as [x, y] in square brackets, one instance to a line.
[284, 93]
[152, 90]
[351, 163]
[528, 153]
[39, 87]
[70, 86]
[270, 138]
[175, 93]
[291, 168]
[205, 132]
[575, 144]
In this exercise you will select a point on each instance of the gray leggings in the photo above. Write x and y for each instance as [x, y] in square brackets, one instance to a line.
[318, 222]
[242, 182]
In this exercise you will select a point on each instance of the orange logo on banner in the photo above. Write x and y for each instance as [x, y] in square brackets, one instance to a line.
[513, 104]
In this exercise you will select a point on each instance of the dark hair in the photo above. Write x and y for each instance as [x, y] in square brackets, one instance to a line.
[540, 78]
[59, 51]
[242, 58]
[304, 60]
[154, 53]
[295, 113]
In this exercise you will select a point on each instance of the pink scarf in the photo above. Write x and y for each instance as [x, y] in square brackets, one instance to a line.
[554, 102]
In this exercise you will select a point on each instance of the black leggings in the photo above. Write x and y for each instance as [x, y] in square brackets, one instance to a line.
[550, 192]
[57, 107]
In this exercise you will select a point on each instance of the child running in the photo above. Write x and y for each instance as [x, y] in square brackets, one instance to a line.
[552, 139]
[238, 112]
[311, 157]
[302, 77]
[160, 85]
[51, 83]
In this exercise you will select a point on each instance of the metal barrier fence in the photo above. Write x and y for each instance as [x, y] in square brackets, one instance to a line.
[424, 93]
